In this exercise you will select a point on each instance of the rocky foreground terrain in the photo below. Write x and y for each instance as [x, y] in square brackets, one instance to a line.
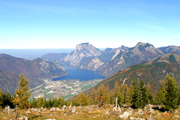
[93, 112]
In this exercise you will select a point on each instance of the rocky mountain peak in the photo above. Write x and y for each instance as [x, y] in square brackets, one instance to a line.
[81, 51]
[141, 48]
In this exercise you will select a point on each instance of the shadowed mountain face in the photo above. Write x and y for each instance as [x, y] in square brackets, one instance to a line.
[170, 49]
[36, 70]
[123, 59]
[8, 81]
[151, 71]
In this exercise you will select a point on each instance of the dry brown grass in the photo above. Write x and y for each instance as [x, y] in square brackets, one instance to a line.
[84, 113]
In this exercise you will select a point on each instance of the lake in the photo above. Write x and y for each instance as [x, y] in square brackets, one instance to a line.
[80, 74]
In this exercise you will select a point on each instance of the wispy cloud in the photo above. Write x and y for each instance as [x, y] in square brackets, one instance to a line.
[155, 27]
[41, 9]
[174, 36]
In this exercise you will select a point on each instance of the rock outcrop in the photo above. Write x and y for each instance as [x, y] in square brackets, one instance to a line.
[82, 50]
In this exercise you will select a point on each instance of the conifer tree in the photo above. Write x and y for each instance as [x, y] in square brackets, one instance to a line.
[50, 103]
[124, 93]
[1, 97]
[7, 100]
[81, 99]
[118, 93]
[106, 96]
[22, 93]
[171, 94]
[55, 102]
[111, 96]
[62, 102]
[41, 102]
[102, 92]
[93, 97]
[159, 96]
[135, 95]
[143, 95]
[150, 97]
[34, 103]
[116, 89]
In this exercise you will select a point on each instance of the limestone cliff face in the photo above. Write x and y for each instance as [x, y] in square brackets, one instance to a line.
[93, 64]
[146, 49]
[123, 58]
[82, 50]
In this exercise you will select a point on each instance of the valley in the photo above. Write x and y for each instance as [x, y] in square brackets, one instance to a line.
[65, 88]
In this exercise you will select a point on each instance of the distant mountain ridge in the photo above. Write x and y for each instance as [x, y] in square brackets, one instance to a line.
[169, 49]
[112, 60]
[36, 70]
[151, 71]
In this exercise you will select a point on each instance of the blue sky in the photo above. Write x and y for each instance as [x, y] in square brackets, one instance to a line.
[26, 24]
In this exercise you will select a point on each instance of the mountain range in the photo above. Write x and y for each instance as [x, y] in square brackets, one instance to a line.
[111, 60]
[150, 71]
[109, 63]
[36, 70]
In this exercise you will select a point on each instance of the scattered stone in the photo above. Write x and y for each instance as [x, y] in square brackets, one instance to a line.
[130, 111]
[58, 109]
[28, 112]
[64, 107]
[7, 110]
[114, 109]
[23, 118]
[176, 111]
[53, 109]
[125, 115]
[177, 116]
[140, 112]
[74, 109]
[107, 113]
[132, 118]
[151, 118]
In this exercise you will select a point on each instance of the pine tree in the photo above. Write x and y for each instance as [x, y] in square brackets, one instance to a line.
[55, 102]
[94, 99]
[143, 95]
[1, 98]
[8, 100]
[118, 93]
[34, 103]
[22, 93]
[41, 102]
[171, 94]
[150, 97]
[116, 89]
[135, 94]
[50, 103]
[159, 96]
[102, 92]
[81, 99]
[111, 96]
[124, 93]
[62, 102]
